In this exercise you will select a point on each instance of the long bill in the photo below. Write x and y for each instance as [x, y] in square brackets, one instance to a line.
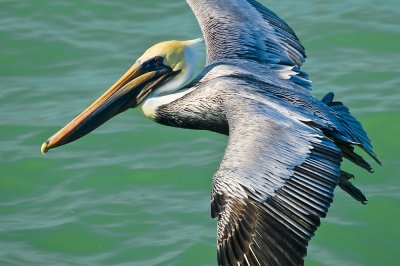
[128, 92]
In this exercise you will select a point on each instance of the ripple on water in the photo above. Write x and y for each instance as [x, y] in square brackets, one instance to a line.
[137, 192]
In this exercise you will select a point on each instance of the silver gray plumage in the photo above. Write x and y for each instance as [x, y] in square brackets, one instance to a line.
[282, 162]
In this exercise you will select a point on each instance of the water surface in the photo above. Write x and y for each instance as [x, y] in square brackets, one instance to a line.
[137, 193]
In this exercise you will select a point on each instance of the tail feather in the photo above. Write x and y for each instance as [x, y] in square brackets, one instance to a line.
[349, 154]
[352, 133]
[353, 128]
[347, 186]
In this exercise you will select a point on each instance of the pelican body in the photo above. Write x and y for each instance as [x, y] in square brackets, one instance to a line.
[282, 163]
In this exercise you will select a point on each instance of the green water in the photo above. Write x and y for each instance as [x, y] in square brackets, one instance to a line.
[137, 193]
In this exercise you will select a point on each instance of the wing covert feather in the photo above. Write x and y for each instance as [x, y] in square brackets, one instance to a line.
[275, 182]
[246, 29]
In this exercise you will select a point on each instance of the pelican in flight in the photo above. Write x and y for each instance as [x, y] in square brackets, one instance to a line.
[282, 162]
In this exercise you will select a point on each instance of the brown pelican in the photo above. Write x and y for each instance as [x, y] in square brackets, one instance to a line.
[282, 162]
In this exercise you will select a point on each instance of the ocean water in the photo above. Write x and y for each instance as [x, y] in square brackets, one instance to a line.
[137, 193]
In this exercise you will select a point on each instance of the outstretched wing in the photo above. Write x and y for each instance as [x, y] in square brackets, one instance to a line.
[275, 182]
[245, 29]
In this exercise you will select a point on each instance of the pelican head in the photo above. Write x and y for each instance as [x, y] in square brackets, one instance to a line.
[163, 69]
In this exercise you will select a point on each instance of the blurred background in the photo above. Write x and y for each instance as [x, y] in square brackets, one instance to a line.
[137, 193]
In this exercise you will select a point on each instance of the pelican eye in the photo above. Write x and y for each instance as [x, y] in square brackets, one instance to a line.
[158, 60]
